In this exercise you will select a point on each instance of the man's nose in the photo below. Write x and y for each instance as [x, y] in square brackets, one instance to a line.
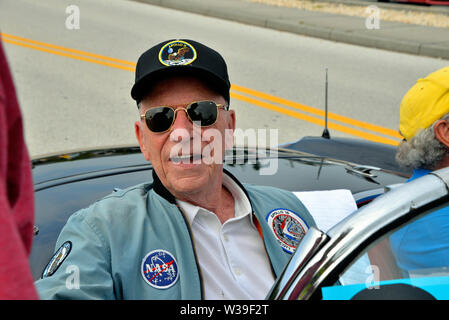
[182, 126]
[182, 120]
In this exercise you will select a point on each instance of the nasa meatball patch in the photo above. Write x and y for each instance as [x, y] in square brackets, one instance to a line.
[160, 269]
[288, 227]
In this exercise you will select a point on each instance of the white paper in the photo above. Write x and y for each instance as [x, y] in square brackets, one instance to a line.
[328, 207]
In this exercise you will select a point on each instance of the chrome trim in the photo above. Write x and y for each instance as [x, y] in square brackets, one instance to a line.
[312, 242]
[364, 171]
[348, 235]
[443, 175]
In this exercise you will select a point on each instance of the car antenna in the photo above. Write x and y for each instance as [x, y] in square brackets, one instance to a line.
[325, 134]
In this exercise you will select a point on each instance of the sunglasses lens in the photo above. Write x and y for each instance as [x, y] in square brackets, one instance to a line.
[204, 112]
[159, 119]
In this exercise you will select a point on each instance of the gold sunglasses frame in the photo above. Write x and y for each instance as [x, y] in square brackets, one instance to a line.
[219, 106]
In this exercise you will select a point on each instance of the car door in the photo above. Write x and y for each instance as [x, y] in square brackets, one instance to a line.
[396, 247]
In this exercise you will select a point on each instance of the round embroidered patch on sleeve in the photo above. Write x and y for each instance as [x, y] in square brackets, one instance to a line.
[288, 227]
[159, 269]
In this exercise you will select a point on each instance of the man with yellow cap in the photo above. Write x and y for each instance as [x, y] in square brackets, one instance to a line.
[424, 123]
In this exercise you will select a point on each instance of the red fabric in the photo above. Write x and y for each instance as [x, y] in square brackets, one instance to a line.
[16, 196]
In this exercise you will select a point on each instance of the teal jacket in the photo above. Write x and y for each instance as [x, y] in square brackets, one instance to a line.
[137, 244]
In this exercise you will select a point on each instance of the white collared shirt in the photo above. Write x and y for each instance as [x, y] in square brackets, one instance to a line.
[232, 257]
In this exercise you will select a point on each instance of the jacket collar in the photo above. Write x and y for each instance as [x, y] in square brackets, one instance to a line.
[160, 189]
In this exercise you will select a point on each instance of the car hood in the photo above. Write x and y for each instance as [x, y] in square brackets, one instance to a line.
[65, 183]
[293, 170]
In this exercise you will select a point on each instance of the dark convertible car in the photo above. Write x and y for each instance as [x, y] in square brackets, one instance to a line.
[354, 259]
[67, 182]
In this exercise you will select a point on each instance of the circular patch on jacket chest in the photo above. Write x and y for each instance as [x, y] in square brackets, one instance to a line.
[160, 269]
[288, 227]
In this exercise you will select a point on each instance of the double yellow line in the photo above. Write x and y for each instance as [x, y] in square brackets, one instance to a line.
[68, 52]
[300, 111]
[293, 109]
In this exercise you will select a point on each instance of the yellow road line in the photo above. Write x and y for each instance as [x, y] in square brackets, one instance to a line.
[130, 66]
[318, 112]
[68, 55]
[320, 122]
[52, 46]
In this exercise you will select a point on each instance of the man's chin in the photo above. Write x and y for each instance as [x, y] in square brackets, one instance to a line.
[188, 181]
[185, 187]
[189, 176]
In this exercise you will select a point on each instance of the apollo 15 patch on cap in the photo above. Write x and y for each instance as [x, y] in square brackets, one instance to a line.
[160, 269]
[288, 227]
[177, 53]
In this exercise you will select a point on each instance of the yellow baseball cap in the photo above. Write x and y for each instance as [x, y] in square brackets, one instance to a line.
[426, 102]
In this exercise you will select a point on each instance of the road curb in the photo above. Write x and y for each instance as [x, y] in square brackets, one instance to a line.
[275, 18]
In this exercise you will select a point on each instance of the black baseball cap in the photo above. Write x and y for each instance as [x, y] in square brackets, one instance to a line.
[179, 57]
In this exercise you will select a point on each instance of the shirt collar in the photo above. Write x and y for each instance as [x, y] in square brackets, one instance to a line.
[242, 205]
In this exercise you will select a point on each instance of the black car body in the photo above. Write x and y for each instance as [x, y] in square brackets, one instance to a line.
[65, 183]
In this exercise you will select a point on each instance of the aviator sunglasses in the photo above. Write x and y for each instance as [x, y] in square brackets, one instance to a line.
[160, 119]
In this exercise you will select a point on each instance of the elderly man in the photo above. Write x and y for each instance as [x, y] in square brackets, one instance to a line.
[424, 117]
[194, 233]
[423, 123]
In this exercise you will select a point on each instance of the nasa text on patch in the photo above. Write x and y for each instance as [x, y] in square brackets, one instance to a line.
[159, 269]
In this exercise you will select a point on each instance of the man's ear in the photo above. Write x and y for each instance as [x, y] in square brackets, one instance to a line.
[141, 139]
[441, 130]
[232, 115]
[229, 132]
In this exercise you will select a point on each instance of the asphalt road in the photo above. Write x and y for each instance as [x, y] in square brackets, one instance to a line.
[73, 99]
